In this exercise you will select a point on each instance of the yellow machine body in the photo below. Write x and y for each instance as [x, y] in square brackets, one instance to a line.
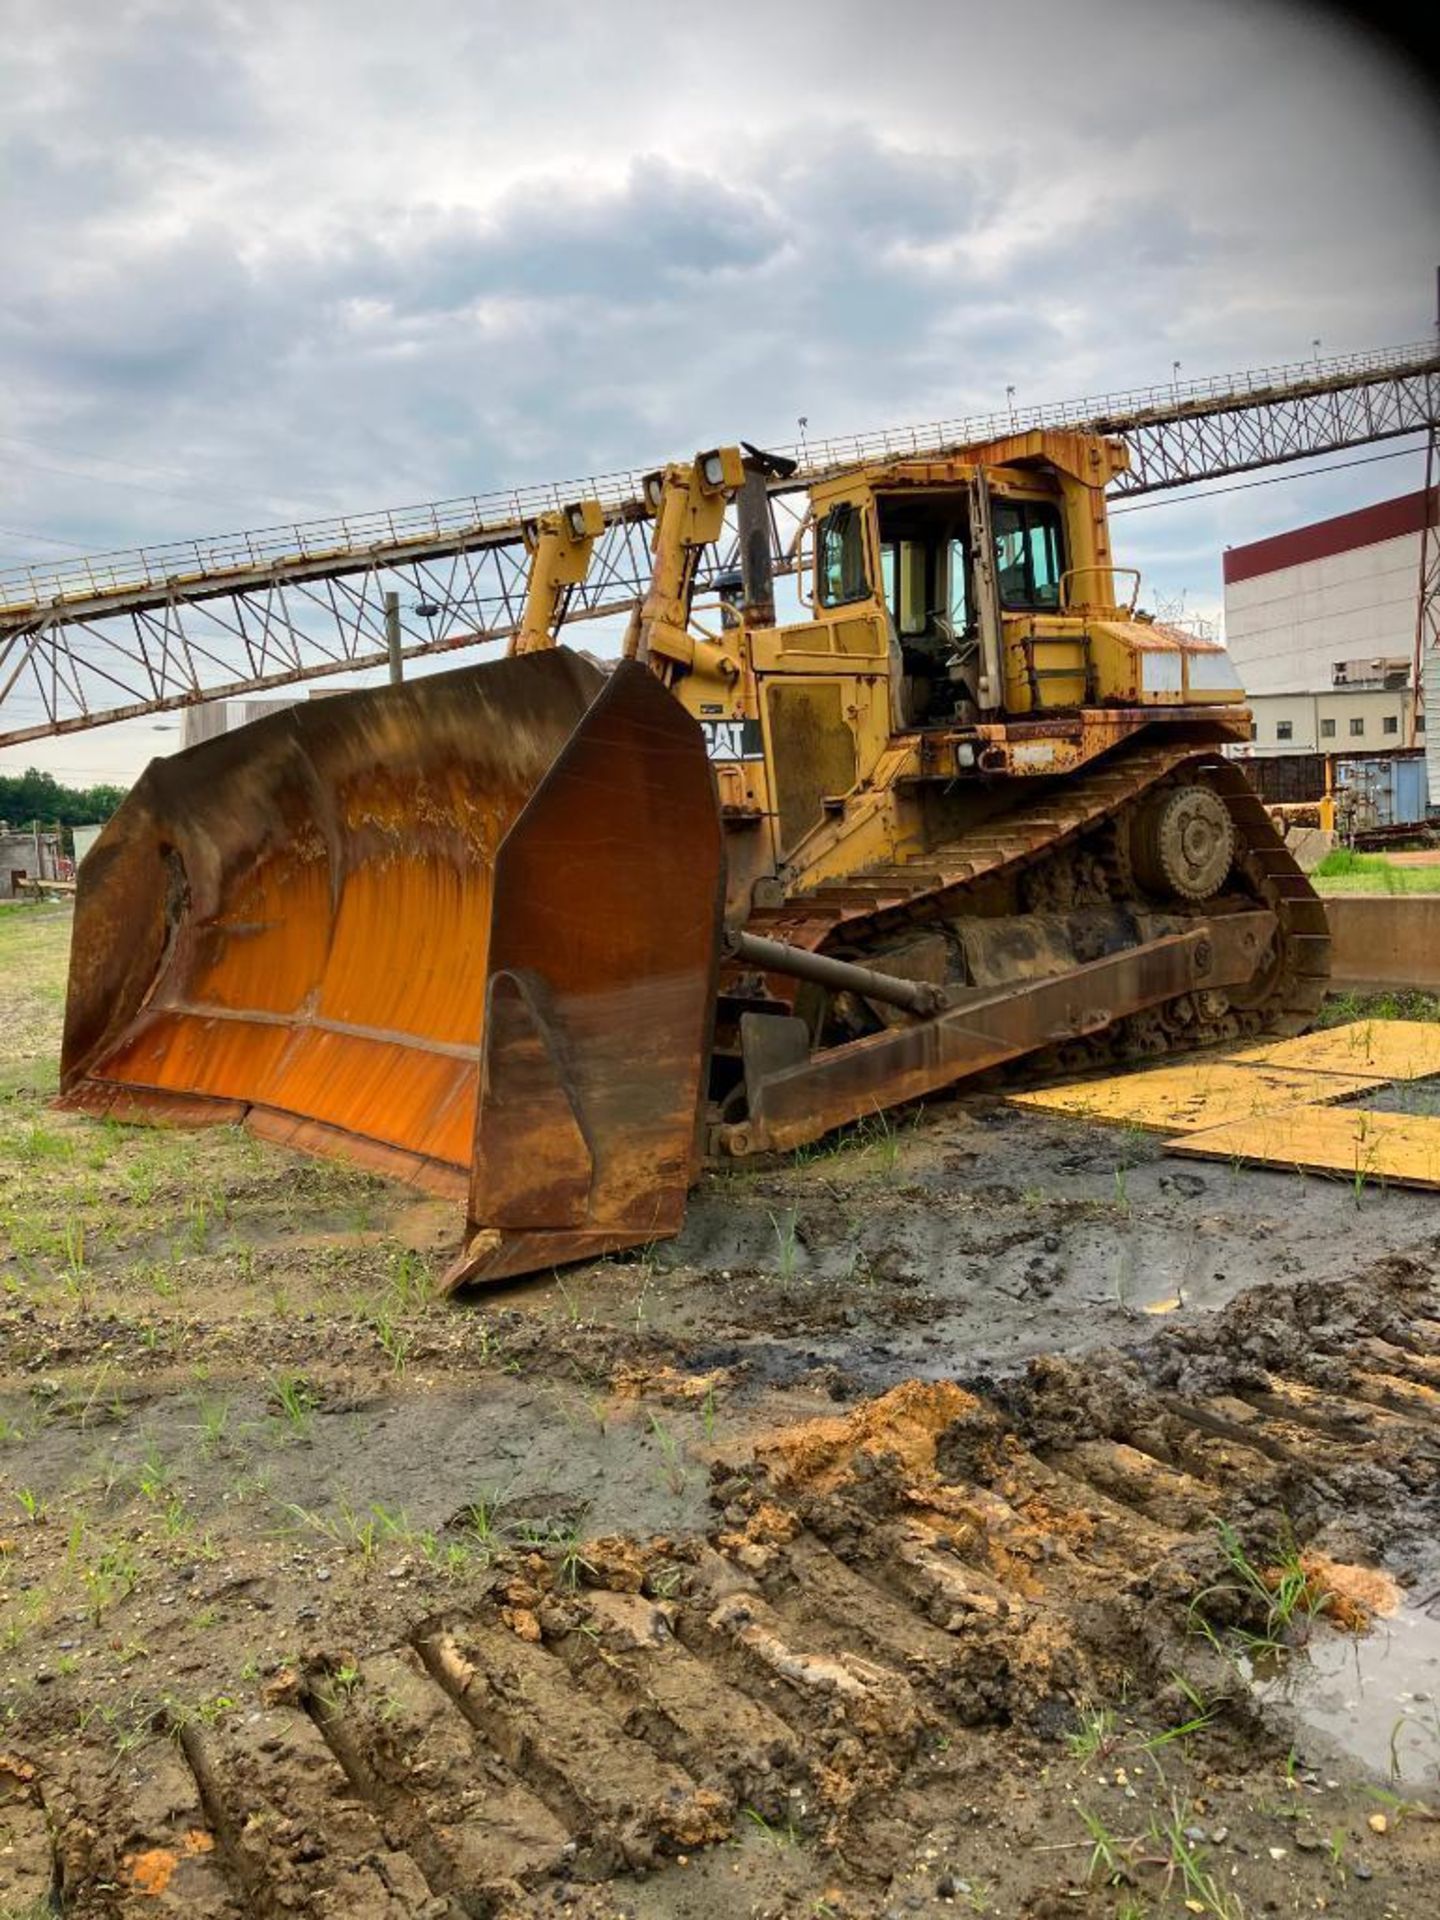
[547, 937]
[821, 738]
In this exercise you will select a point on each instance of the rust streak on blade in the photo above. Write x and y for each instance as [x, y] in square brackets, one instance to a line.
[295, 918]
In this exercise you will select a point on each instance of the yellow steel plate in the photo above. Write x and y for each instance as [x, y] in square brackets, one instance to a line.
[1206, 1091]
[1366, 1147]
[1394, 1049]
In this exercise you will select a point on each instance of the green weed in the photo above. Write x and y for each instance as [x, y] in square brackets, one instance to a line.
[409, 1283]
[1282, 1597]
[208, 1711]
[111, 1576]
[1201, 1890]
[786, 1232]
[213, 1421]
[675, 1475]
[1095, 1737]
[778, 1836]
[153, 1477]
[395, 1342]
[295, 1400]
[1109, 1855]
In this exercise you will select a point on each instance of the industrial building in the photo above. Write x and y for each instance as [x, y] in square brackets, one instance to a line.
[1321, 621]
[28, 854]
[214, 717]
[1365, 717]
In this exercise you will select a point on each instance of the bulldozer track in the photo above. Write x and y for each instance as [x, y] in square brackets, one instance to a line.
[880, 1587]
[939, 884]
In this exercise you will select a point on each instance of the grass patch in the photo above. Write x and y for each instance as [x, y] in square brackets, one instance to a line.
[1345, 871]
[1399, 1004]
[875, 1137]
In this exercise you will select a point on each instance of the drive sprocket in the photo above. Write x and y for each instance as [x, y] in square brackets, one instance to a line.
[1182, 842]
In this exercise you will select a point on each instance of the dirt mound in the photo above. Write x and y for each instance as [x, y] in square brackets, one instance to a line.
[904, 1424]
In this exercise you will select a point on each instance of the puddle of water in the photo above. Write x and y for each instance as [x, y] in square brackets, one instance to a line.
[1375, 1696]
[1405, 1096]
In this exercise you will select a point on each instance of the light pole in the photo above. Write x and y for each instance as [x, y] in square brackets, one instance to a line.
[1175, 378]
[1010, 403]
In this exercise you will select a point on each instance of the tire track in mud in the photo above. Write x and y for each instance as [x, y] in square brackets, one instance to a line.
[876, 1583]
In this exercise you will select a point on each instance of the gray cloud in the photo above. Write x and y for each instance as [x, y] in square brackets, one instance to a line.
[265, 261]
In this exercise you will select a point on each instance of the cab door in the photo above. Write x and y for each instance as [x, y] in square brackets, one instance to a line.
[824, 684]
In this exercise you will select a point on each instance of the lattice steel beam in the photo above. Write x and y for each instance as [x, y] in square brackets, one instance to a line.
[1203, 444]
[86, 642]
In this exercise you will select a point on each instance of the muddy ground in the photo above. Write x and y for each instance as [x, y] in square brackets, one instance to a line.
[989, 1514]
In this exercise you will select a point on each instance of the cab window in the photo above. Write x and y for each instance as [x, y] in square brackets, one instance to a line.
[959, 601]
[1029, 553]
[923, 569]
[841, 557]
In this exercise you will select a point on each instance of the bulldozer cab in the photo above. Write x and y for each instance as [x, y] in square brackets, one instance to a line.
[950, 559]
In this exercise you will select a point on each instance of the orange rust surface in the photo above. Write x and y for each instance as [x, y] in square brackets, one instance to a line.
[296, 917]
[393, 1090]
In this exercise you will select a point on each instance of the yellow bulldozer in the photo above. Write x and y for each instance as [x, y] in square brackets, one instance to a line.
[547, 935]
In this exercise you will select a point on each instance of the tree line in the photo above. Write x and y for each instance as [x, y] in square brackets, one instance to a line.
[34, 795]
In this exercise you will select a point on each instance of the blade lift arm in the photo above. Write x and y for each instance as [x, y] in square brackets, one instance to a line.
[559, 545]
[688, 501]
[991, 687]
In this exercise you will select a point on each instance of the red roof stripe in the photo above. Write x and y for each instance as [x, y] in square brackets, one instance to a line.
[1366, 527]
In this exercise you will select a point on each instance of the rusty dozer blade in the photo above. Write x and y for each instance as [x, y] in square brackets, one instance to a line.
[306, 923]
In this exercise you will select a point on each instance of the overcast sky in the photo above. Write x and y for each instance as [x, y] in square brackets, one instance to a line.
[271, 260]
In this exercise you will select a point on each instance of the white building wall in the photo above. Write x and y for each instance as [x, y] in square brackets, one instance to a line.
[214, 717]
[1286, 630]
[84, 838]
[1306, 713]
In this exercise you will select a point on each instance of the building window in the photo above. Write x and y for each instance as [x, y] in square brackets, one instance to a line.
[1327, 729]
[1419, 723]
[1357, 729]
[1284, 730]
[1392, 723]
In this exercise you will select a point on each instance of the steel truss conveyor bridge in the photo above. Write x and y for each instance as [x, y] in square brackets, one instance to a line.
[88, 641]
